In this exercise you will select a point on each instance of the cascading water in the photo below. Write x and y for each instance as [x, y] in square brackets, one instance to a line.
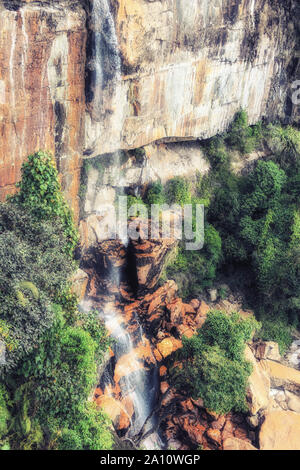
[139, 385]
[104, 63]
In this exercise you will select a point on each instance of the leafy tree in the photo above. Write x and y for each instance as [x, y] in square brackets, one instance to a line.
[40, 193]
[155, 194]
[34, 268]
[178, 191]
[212, 363]
[243, 137]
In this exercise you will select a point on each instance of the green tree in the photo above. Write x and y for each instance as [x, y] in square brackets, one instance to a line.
[213, 367]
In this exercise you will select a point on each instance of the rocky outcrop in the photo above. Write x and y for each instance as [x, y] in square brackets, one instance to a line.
[79, 283]
[280, 431]
[42, 96]
[232, 443]
[188, 67]
[149, 254]
[258, 394]
[282, 376]
[169, 71]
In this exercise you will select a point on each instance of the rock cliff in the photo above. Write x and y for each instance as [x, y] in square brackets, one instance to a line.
[168, 70]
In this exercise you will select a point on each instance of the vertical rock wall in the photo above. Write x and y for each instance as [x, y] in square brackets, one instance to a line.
[42, 67]
[187, 66]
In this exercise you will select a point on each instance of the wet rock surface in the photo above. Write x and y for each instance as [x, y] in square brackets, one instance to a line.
[148, 326]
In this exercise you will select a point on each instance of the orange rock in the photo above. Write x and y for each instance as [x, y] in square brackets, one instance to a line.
[162, 371]
[280, 431]
[195, 303]
[188, 308]
[214, 435]
[241, 433]
[165, 347]
[185, 331]
[219, 423]
[203, 309]
[194, 431]
[177, 311]
[154, 304]
[157, 355]
[144, 351]
[212, 415]
[199, 403]
[164, 386]
[111, 353]
[187, 405]
[115, 411]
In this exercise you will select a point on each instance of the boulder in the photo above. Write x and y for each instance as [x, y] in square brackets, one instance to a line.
[282, 376]
[149, 255]
[176, 310]
[168, 345]
[293, 401]
[267, 350]
[233, 443]
[280, 431]
[114, 409]
[202, 312]
[214, 435]
[79, 283]
[258, 391]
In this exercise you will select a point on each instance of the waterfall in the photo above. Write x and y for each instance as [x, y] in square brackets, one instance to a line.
[104, 63]
[136, 382]
[139, 385]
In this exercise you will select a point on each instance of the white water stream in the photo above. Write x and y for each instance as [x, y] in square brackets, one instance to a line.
[139, 383]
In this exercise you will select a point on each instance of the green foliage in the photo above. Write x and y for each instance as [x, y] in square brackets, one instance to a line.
[213, 364]
[276, 329]
[52, 350]
[57, 379]
[257, 217]
[217, 153]
[242, 136]
[91, 431]
[4, 413]
[178, 191]
[34, 268]
[40, 193]
[285, 144]
[195, 270]
[155, 194]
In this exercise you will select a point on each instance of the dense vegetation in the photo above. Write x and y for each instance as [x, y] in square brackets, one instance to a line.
[51, 350]
[212, 365]
[252, 228]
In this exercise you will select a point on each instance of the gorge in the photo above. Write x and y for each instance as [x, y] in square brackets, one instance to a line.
[169, 102]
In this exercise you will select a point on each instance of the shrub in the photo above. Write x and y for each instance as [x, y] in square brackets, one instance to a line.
[178, 191]
[59, 376]
[155, 194]
[278, 330]
[40, 193]
[243, 137]
[196, 270]
[285, 144]
[217, 153]
[91, 431]
[34, 267]
[4, 413]
[213, 364]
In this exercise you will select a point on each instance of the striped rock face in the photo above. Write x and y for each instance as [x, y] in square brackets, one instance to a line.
[163, 71]
[42, 99]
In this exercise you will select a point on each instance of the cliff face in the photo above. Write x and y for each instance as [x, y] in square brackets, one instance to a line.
[42, 99]
[86, 77]
[189, 65]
